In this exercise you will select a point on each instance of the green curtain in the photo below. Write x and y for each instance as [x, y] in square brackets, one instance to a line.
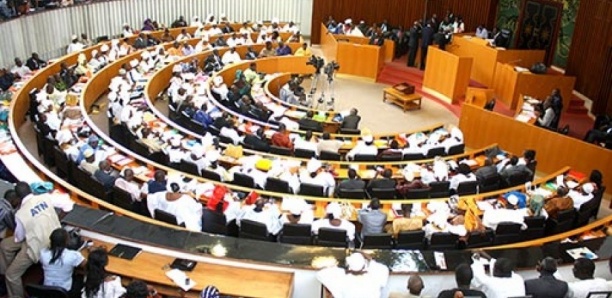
[507, 18]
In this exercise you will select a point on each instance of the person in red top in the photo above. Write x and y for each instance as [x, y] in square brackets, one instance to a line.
[281, 138]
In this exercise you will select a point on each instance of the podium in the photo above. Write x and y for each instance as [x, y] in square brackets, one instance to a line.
[446, 76]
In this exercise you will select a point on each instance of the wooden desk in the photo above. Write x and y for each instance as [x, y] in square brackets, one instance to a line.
[405, 101]
[446, 75]
[509, 84]
[479, 96]
[149, 267]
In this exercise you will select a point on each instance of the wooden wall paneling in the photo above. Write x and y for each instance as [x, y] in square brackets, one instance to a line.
[591, 43]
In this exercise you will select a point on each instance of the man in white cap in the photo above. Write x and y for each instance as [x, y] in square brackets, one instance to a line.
[174, 152]
[362, 277]
[230, 56]
[269, 216]
[583, 195]
[291, 27]
[245, 29]
[203, 45]
[89, 164]
[333, 220]
[127, 30]
[134, 73]
[214, 30]
[197, 157]
[298, 211]
[454, 138]
[315, 174]
[492, 217]
[365, 146]
[212, 157]
[195, 22]
[75, 45]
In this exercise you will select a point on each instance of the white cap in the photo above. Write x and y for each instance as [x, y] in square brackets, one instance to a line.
[222, 15]
[313, 165]
[356, 262]
[274, 20]
[588, 188]
[334, 209]
[456, 133]
[188, 76]
[134, 63]
[213, 155]
[145, 55]
[197, 151]
[175, 142]
[104, 48]
[408, 175]
[88, 153]
[153, 53]
[122, 72]
[348, 21]
[368, 138]
[512, 199]
[74, 37]
[112, 96]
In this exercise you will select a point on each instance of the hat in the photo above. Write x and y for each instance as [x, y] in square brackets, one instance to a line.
[334, 209]
[175, 142]
[134, 63]
[263, 164]
[408, 175]
[210, 292]
[88, 153]
[368, 139]
[356, 262]
[512, 199]
[313, 165]
[348, 21]
[456, 133]
[588, 188]
[152, 53]
[222, 15]
[197, 151]
[74, 37]
[104, 48]
[213, 155]
[177, 68]
[92, 138]
[122, 72]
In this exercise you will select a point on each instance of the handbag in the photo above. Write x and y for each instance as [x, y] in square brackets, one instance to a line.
[234, 151]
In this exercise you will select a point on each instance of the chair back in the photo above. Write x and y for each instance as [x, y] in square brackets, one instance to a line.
[597, 198]
[118, 133]
[313, 190]
[61, 162]
[303, 153]
[563, 223]
[517, 179]
[439, 189]
[377, 241]
[280, 150]
[210, 175]
[189, 167]
[277, 185]
[410, 240]
[214, 222]
[535, 228]
[225, 140]
[165, 217]
[490, 183]
[413, 156]
[350, 131]
[467, 188]
[395, 156]
[443, 240]
[507, 232]
[122, 198]
[599, 294]
[40, 291]
[480, 239]
[420, 193]
[332, 237]
[456, 149]
[138, 148]
[243, 180]
[300, 234]
[253, 230]
[328, 155]
[351, 193]
[383, 193]
[365, 157]
[436, 151]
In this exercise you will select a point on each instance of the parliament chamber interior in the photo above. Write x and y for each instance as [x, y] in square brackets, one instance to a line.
[306, 148]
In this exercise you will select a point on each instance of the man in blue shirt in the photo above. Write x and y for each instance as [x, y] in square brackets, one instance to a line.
[283, 49]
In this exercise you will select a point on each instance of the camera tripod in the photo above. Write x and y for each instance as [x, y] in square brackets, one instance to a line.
[322, 104]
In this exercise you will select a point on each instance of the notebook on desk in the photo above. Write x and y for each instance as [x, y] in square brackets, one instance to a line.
[124, 251]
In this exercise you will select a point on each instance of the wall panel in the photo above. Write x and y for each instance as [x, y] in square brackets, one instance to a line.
[48, 32]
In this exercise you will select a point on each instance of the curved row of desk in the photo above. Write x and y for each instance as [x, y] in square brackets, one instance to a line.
[262, 256]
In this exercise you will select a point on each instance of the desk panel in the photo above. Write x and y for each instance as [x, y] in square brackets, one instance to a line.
[447, 74]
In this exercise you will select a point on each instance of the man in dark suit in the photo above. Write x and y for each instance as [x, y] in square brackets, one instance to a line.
[413, 43]
[352, 120]
[384, 182]
[377, 39]
[513, 168]
[140, 42]
[546, 285]
[353, 182]
[257, 141]
[426, 41]
[307, 123]
[105, 175]
[486, 171]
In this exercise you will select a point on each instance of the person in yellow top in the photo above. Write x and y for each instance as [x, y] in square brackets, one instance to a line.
[405, 223]
[304, 51]
[175, 50]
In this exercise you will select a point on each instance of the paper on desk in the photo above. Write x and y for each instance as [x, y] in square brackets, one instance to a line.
[582, 252]
[179, 278]
[440, 260]
[571, 184]
[560, 179]
[523, 118]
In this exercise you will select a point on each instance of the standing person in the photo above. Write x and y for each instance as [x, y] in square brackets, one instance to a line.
[413, 43]
[98, 283]
[58, 262]
[35, 221]
[426, 41]
[546, 286]
[362, 277]
[502, 282]
[463, 277]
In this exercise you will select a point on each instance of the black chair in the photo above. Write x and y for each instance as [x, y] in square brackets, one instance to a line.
[352, 193]
[138, 148]
[122, 199]
[48, 145]
[197, 127]
[563, 223]
[277, 185]
[214, 222]
[439, 189]
[420, 193]
[332, 238]
[532, 166]
[413, 156]
[189, 167]
[410, 240]
[480, 239]
[215, 131]
[377, 241]
[597, 196]
[436, 151]
[442, 241]
[517, 179]
[600, 294]
[280, 150]
[40, 291]
[96, 189]
[210, 175]
[117, 132]
[365, 157]
[507, 232]
[313, 190]
[395, 156]
[313, 128]
[244, 180]
[467, 188]
[300, 234]
[535, 228]
[328, 155]
[39, 142]
[225, 140]
[350, 131]
[165, 217]
[456, 149]
[584, 214]
[62, 165]
[383, 193]
[250, 229]
[490, 183]
[303, 153]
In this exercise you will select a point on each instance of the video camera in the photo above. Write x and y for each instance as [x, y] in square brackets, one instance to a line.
[316, 62]
[330, 68]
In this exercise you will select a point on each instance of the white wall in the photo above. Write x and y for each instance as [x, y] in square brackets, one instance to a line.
[49, 32]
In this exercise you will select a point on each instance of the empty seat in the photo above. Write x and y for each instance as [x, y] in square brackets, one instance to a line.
[413, 156]
[383, 193]
[280, 150]
[253, 230]
[467, 188]
[563, 223]
[243, 180]
[410, 240]
[332, 237]
[365, 157]
[328, 155]
[507, 232]
[61, 162]
[535, 228]
[442, 241]
[439, 189]
[214, 222]
[456, 149]
[480, 239]
[313, 190]
[277, 185]
[296, 234]
[436, 151]
[490, 183]
[377, 241]
[421, 193]
[517, 179]
[189, 167]
[352, 193]
[40, 291]
[395, 156]
[210, 175]
[303, 153]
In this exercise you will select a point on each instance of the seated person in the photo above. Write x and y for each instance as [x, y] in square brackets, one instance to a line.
[316, 174]
[299, 212]
[352, 120]
[582, 196]
[257, 141]
[186, 210]
[511, 213]
[281, 138]
[98, 282]
[559, 202]
[486, 171]
[105, 175]
[464, 175]
[393, 150]
[502, 282]
[514, 168]
[127, 183]
[584, 270]
[327, 144]
[600, 134]
[463, 277]
[406, 222]
[333, 220]
[382, 180]
[268, 216]
[213, 165]
[89, 164]
[353, 182]
[364, 147]
[372, 219]
[309, 142]
[307, 123]
[58, 262]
